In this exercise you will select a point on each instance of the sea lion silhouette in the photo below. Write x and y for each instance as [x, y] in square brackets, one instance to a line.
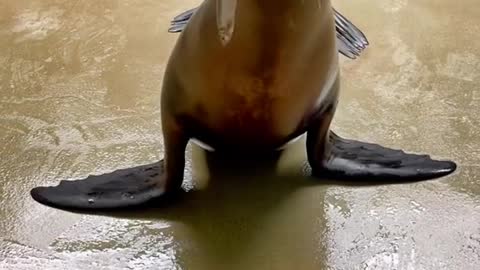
[247, 77]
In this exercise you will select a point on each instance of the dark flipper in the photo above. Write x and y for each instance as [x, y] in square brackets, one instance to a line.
[353, 160]
[351, 41]
[122, 188]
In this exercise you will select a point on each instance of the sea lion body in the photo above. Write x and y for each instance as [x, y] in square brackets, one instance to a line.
[263, 87]
[247, 77]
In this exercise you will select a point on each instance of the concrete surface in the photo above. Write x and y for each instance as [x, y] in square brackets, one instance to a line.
[79, 94]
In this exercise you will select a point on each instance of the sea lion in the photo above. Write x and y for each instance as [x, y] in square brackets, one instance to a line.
[350, 40]
[247, 77]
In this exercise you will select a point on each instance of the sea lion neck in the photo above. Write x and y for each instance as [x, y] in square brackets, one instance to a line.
[281, 13]
[279, 5]
[271, 13]
[271, 7]
[279, 8]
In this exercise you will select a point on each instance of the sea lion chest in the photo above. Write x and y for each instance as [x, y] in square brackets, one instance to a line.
[259, 89]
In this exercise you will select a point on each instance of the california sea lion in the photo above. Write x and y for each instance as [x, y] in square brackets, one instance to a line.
[350, 40]
[248, 77]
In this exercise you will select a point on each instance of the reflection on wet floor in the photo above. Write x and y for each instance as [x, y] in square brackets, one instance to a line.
[79, 94]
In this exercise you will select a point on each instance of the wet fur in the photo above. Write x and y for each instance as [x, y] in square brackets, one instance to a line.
[274, 90]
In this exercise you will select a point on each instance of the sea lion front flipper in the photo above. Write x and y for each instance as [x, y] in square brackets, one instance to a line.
[352, 160]
[121, 188]
[129, 187]
[351, 41]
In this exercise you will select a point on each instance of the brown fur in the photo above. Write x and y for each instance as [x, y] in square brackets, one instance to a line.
[260, 90]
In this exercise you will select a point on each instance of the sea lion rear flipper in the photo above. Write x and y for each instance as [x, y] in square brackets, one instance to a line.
[179, 22]
[121, 188]
[350, 40]
[184, 16]
[351, 160]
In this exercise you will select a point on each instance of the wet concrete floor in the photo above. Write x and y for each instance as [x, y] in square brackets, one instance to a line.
[79, 94]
